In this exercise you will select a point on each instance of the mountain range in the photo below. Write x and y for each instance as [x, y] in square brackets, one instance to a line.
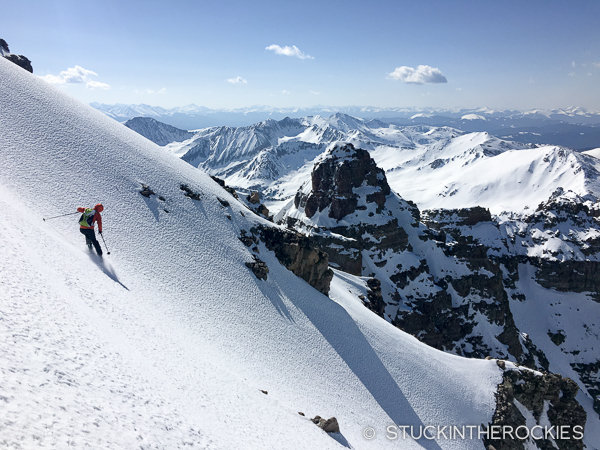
[575, 128]
[432, 166]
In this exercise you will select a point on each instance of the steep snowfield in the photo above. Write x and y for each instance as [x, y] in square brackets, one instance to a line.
[168, 341]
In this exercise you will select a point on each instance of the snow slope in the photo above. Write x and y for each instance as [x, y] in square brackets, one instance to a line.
[168, 342]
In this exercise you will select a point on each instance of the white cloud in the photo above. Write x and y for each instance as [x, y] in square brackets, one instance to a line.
[420, 75]
[285, 92]
[315, 93]
[596, 64]
[75, 75]
[237, 80]
[97, 84]
[288, 51]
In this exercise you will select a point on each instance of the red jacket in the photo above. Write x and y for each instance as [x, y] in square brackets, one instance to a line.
[97, 217]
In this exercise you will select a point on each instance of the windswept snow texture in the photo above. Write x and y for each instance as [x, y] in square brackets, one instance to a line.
[168, 342]
[436, 167]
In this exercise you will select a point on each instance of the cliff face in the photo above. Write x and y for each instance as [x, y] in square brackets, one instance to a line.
[300, 255]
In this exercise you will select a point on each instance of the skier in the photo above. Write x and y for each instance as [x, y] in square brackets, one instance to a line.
[86, 225]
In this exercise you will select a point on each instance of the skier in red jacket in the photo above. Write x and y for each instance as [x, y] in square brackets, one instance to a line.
[88, 217]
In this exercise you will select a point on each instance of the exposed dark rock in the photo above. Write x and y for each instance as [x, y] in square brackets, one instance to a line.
[229, 189]
[569, 276]
[188, 192]
[19, 60]
[402, 278]
[300, 255]
[219, 181]
[146, 191]
[253, 197]
[589, 375]
[534, 391]
[247, 239]
[262, 210]
[334, 179]
[473, 216]
[375, 300]
[436, 218]
[330, 425]
[433, 321]
[259, 268]
[224, 203]
[557, 338]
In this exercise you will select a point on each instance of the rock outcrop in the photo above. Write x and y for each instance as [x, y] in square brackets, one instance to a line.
[526, 397]
[335, 179]
[19, 60]
[296, 252]
[350, 192]
[300, 255]
[259, 268]
[330, 425]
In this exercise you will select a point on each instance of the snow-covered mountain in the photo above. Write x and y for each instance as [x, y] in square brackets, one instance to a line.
[158, 132]
[479, 119]
[193, 332]
[432, 166]
[477, 169]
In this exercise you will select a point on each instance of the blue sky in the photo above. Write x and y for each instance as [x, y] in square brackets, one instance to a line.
[502, 54]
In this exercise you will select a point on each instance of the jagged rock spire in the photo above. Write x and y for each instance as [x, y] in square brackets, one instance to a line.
[337, 175]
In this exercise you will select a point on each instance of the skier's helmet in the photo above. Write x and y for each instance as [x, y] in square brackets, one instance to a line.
[99, 207]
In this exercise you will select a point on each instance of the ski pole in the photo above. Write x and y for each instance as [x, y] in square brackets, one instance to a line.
[63, 215]
[102, 236]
